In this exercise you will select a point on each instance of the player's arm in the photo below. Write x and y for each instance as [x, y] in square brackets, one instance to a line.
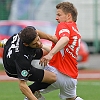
[46, 49]
[26, 90]
[59, 45]
[49, 37]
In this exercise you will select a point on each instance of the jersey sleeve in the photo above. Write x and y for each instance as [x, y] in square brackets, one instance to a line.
[62, 30]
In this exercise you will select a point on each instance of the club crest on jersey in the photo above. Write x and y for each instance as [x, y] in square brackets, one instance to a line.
[24, 73]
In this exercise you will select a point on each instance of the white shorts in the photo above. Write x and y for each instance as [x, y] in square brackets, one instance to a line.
[66, 84]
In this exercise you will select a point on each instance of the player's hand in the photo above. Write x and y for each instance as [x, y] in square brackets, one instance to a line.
[44, 60]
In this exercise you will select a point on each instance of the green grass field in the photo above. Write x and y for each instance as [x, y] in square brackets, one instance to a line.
[88, 90]
[1, 67]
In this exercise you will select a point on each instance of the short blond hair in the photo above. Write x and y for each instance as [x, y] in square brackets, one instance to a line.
[68, 7]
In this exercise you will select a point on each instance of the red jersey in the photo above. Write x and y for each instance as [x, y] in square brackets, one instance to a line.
[66, 59]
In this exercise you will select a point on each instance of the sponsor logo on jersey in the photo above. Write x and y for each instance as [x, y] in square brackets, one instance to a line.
[64, 30]
[26, 56]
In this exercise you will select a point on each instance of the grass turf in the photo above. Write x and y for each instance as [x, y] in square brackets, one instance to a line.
[1, 67]
[88, 90]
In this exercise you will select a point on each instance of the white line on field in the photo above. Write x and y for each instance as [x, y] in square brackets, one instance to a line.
[5, 77]
[90, 75]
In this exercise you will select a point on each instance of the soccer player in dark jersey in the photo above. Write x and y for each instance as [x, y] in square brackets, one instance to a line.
[18, 53]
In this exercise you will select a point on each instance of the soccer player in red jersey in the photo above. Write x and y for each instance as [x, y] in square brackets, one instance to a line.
[63, 56]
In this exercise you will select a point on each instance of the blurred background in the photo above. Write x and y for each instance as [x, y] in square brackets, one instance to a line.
[13, 12]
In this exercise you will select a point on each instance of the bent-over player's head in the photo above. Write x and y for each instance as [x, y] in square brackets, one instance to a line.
[30, 37]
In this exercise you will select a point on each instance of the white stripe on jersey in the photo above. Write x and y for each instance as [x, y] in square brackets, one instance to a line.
[64, 30]
[75, 30]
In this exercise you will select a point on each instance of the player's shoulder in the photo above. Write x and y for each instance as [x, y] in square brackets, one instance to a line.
[12, 37]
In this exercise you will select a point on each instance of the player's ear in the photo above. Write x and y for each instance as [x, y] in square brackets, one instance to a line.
[26, 44]
[69, 16]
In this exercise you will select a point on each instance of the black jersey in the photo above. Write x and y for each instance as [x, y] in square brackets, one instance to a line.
[17, 58]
